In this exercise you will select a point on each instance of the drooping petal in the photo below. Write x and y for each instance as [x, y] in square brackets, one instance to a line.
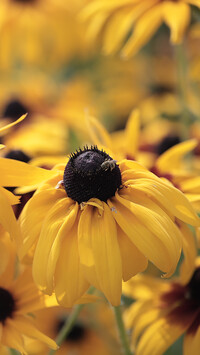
[12, 338]
[56, 226]
[33, 215]
[177, 17]
[144, 29]
[70, 283]
[190, 253]
[154, 235]
[25, 326]
[170, 198]
[133, 261]
[99, 251]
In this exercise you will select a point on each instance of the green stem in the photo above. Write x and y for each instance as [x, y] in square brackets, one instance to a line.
[70, 321]
[122, 331]
[182, 83]
[14, 352]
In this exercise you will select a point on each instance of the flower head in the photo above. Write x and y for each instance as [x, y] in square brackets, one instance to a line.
[98, 221]
[163, 311]
[140, 18]
[15, 305]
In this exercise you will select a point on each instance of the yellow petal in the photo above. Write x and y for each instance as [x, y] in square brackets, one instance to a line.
[172, 158]
[191, 344]
[190, 253]
[26, 327]
[33, 215]
[144, 29]
[154, 235]
[12, 337]
[132, 133]
[159, 336]
[56, 226]
[133, 261]
[177, 17]
[17, 173]
[2, 129]
[122, 22]
[7, 218]
[13, 200]
[170, 198]
[99, 251]
[70, 283]
[98, 133]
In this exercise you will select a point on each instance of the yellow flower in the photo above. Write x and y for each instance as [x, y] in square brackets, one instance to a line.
[18, 298]
[98, 221]
[94, 332]
[114, 20]
[171, 165]
[164, 311]
[41, 24]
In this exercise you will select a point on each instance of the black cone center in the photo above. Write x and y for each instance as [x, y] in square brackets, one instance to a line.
[14, 109]
[91, 173]
[7, 304]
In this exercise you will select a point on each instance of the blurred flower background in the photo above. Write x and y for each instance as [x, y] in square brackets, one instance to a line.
[125, 76]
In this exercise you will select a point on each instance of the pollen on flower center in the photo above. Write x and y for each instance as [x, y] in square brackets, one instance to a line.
[7, 304]
[91, 173]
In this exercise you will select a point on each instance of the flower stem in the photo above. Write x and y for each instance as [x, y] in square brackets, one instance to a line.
[70, 321]
[122, 331]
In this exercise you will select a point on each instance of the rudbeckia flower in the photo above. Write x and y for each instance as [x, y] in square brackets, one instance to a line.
[114, 20]
[18, 298]
[94, 332]
[164, 311]
[172, 164]
[98, 221]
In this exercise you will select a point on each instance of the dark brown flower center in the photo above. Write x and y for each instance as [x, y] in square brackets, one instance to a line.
[7, 304]
[17, 154]
[76, 334]
[193, 287]
[91, 173]
[14, 109]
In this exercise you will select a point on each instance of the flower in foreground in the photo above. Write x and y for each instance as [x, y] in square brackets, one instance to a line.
[98, 221]
[164, 311]
[18, 298]
[115, 20]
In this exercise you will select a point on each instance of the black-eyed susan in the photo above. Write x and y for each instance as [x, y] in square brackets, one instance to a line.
[115, 20]
[19, 298]
[164, 311]
[98, 221]
[94, 332]
[170, 164]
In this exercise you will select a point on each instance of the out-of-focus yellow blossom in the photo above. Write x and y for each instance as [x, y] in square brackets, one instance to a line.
[91, 197]
[16, 305]
[94, 331]
[163, 311]
[38, 31]
[130, 24]
[172, 164]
